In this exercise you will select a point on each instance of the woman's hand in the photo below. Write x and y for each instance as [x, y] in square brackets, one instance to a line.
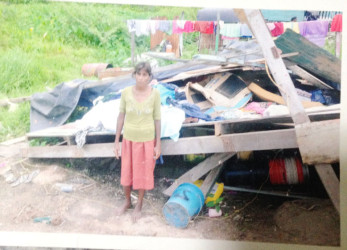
[157, 152]
[117, 150]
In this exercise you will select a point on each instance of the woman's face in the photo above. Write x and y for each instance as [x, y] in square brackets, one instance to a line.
[142, 77]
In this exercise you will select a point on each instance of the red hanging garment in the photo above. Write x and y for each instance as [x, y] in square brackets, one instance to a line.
[336, 24]
[278, 30]
[206, 27]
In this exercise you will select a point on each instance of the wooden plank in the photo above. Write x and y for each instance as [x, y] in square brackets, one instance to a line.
[307, 76]
[263, 140]
[319, 141]
[271, 97]
[311, 57]
[217, 34]
[276, 65]
[180, 45]
[200, 72]
[210, 180]
[330, 182]
[282, 56]
[338, 44]
[199, 170]
[315, 113]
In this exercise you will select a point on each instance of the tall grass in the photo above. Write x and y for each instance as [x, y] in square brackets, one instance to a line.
[45, 43]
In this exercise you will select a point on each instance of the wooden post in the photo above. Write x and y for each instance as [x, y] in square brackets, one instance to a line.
[181, 38]
[338, 44]
[330, 182]
[217, 34]
[133, 48]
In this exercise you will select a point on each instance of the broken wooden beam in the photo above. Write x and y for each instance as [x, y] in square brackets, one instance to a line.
[199, 170]
[210, 180]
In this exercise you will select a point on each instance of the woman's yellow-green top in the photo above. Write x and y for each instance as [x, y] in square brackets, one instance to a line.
[139, 116]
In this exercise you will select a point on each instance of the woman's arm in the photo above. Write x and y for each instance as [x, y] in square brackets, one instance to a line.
[157, 145]
[120, 123]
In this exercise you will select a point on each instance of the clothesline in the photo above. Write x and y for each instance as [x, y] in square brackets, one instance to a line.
[315, 31]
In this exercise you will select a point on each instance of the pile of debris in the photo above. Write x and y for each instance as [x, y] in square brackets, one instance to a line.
[234, 84]
[238, 84]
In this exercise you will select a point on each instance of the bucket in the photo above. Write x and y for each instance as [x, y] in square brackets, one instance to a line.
[185, 202]
[93, 69]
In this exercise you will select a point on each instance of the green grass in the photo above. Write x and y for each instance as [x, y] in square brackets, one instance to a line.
[45, 43]
[14, 123]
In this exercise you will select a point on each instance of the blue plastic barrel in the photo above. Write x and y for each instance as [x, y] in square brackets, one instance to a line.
[185, 202]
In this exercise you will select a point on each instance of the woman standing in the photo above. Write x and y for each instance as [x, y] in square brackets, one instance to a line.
[139, 116]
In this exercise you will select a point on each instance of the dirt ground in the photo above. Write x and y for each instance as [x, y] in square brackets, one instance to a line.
[81, 196]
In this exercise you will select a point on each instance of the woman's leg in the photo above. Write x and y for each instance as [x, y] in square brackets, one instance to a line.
[138, 208]
[127, 202]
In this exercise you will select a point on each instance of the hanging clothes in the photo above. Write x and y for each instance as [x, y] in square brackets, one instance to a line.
[189, 27]
[245, 31]
[206, 27]
[278, 30]
[181, 23]
[142, 27]
[165, 26]
[153, 26]
[270, 26]
[315, 31]
[231, 30]
[291, 25]
[176, 28]
[336, 24]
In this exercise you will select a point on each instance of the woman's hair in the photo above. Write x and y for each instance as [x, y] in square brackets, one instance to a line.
[143, 65]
